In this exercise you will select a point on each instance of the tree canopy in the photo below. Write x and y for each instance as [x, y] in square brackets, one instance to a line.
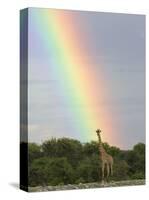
[65, 161]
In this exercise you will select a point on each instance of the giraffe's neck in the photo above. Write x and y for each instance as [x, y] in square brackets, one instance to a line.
[101, 149]
[99, 140]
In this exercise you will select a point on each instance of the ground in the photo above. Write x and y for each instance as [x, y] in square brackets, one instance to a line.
[87, 185]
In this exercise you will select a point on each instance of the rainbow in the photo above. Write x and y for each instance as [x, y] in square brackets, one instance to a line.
[63, 39]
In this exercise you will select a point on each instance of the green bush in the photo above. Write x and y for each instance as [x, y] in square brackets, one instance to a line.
[138, 175]
[90, 148]
[120, 170]
[88, 169]
[34, 151]
[64, 147]
[54, 171]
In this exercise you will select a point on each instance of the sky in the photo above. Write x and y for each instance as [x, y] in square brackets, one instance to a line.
[86, 70]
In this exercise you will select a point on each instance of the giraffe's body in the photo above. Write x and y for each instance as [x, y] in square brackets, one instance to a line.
[106, 159]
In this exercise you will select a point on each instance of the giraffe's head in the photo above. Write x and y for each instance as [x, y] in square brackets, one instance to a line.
[98, 131]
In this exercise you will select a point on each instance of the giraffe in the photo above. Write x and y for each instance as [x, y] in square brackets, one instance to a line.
[106, 159]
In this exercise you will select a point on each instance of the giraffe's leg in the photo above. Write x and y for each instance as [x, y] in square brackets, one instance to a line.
[111, 167]
[108, 170]
[103, 166]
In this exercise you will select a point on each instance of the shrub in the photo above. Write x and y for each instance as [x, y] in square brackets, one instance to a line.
[54, 171]
[88, 169]
[120, 171]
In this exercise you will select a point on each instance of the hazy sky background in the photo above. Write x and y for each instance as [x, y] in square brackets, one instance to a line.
[120, 39]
